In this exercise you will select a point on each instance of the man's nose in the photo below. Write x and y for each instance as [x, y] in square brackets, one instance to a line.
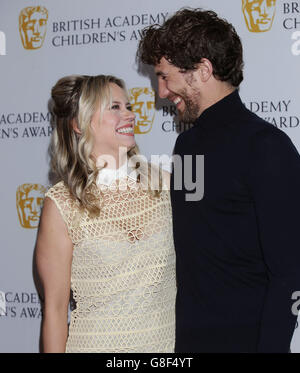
[36, 28]
[144, 112]
[163, 91]
[264, 8]
[34, 207]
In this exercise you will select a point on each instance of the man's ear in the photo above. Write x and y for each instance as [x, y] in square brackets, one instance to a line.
[205, 70]
[75, 126]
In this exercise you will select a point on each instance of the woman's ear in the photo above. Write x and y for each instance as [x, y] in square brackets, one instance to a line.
[75, 126]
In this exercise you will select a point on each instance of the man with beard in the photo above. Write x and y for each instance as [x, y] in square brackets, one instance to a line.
[238, 247]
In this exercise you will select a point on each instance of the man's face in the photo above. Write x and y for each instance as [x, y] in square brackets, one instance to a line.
[34, 28]
[30, 206]
[181, 88]
[259, 14]
[143, 105]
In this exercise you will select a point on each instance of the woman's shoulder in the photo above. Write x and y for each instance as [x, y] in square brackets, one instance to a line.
[58, 190]
[64, 200]
[62, 196]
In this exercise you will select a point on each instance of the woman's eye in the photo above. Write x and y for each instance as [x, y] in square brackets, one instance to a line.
[129, 107]
[115, 107]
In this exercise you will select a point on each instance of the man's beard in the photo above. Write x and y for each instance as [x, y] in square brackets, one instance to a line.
[191, 111]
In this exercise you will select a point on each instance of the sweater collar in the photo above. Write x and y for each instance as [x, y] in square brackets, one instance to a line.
[222, 112]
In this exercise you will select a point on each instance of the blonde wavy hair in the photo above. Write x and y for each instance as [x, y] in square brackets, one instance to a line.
[75, 100]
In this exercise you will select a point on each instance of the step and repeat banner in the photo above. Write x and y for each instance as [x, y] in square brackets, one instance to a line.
[41, 41]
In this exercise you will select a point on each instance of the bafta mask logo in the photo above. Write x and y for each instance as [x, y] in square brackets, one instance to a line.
[33, 26]
[259, 14]
[29, 198]
[142, 100]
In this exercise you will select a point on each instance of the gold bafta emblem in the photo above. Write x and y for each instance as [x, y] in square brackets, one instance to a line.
[259, 14]
[29, 199]
[33, 26]
[142, 100]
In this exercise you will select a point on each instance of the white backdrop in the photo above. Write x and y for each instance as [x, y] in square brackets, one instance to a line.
[100, 37]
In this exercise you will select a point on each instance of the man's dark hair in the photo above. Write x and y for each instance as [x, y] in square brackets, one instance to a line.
[190, 35]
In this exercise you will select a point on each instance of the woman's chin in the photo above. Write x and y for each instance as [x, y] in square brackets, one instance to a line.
[128, 145]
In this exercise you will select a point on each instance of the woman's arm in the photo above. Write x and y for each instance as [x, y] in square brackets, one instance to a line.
[54, 259]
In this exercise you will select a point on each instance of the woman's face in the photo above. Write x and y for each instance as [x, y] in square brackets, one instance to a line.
[115, 129]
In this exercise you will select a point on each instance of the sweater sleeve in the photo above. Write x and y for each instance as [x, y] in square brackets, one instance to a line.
[274, 179]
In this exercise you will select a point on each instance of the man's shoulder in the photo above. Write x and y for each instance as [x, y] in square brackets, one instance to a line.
[256, 128]
[243, 128]
[256, 136]
[247, 124]
[252, 123]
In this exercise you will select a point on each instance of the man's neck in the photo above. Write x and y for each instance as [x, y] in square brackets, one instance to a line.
[216, 93]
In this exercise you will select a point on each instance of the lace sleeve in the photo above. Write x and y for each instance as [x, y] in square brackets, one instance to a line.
[60, 195]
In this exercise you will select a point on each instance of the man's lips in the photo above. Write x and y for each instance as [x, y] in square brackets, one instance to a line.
[264, 21]
[176, 100]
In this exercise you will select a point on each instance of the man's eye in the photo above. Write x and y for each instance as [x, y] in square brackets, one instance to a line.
[255, 6]
[29, 25]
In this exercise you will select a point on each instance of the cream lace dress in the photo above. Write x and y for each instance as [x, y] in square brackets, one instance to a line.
[123, 269]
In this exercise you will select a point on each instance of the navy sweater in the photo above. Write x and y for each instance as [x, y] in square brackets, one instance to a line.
[238, 248]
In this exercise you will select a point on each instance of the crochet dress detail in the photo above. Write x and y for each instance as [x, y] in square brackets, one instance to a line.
[123, 270]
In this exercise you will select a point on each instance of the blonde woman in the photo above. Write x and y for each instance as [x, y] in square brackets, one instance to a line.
[103, 233]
